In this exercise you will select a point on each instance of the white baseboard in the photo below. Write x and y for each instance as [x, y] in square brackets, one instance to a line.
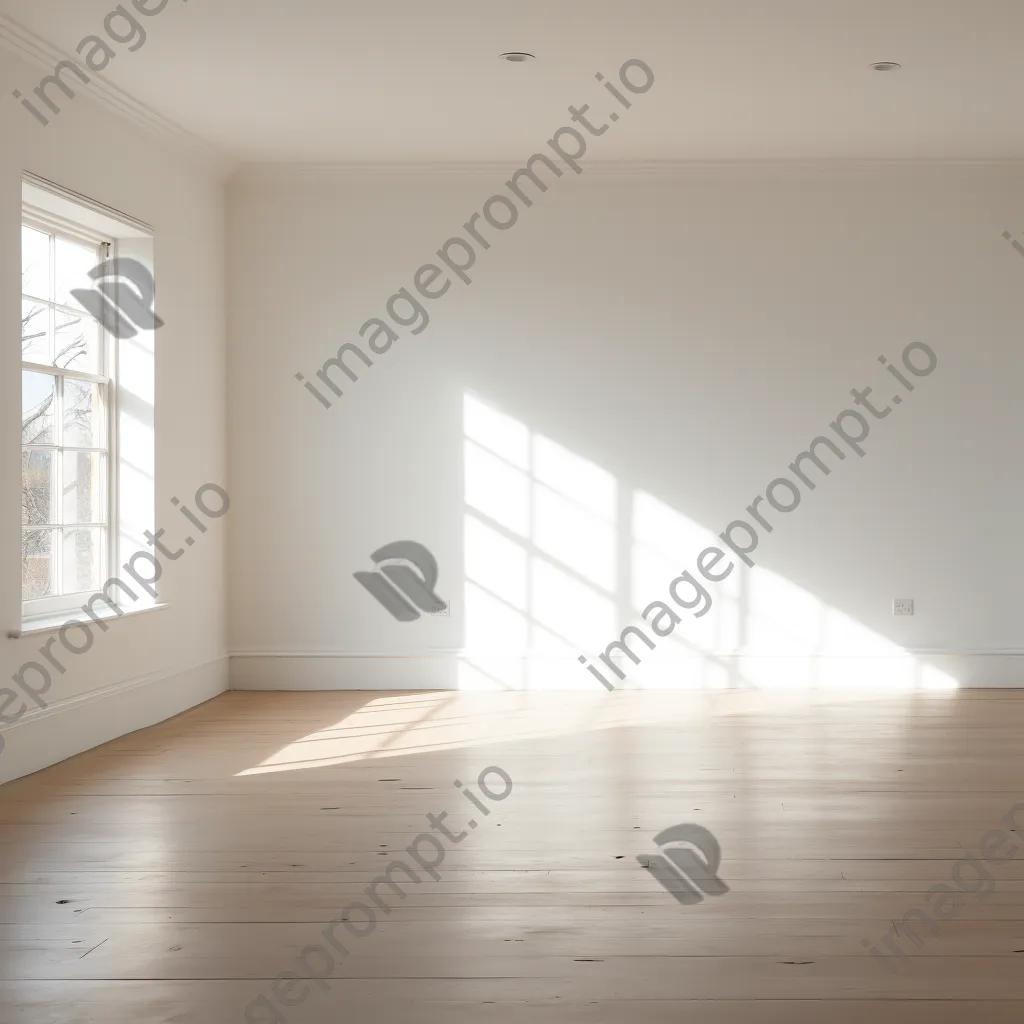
[912, 670]
[46, 736]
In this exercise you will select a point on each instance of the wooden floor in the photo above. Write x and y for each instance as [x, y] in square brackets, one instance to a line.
[172, 875]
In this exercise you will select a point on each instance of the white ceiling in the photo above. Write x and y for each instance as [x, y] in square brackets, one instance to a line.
[408, 80]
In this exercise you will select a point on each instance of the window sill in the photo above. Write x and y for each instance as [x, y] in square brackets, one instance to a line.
[52, 623]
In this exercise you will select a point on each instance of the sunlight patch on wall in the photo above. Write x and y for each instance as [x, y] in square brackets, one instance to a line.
[560, 557]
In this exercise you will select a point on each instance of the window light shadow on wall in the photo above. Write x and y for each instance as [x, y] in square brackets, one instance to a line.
[560, 557]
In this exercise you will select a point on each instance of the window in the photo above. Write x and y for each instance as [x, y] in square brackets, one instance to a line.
[88, 423]
[67, 435]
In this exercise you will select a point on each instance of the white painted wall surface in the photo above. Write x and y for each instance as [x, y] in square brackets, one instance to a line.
[687, 334]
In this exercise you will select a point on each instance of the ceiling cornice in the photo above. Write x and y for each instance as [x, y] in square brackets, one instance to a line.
[43, 54]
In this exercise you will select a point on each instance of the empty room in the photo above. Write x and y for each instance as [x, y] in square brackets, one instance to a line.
[518, 511]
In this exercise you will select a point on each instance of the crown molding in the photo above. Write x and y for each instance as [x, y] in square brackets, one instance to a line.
[623, 169]
[43, 54]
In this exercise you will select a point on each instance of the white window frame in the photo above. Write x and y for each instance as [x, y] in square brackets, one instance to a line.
[106, 248]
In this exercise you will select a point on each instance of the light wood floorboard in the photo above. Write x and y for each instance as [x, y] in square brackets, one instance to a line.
[172, 875]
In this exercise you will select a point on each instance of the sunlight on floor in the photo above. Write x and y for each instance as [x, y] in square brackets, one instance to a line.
[395, 725]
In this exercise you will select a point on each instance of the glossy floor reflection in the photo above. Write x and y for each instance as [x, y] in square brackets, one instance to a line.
[160, 878]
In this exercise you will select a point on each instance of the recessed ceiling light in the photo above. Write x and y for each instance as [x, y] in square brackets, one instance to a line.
[885, 65]
[517, 57]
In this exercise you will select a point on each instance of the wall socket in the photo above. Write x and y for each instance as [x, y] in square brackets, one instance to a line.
[903, 606]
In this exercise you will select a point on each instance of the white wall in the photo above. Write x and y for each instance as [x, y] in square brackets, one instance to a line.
[688, 334]
[150, 666]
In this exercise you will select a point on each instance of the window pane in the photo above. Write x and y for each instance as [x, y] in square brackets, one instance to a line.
[35, 263]
[38, 486]
[82, 414]
[76, 343]
[35, 338]
[63, 487]
[82, 560]
[72, 264]
[38, 402]
[83, 488]
[38, 578]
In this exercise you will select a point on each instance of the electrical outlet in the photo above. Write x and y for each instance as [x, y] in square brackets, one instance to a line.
[903, 606]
